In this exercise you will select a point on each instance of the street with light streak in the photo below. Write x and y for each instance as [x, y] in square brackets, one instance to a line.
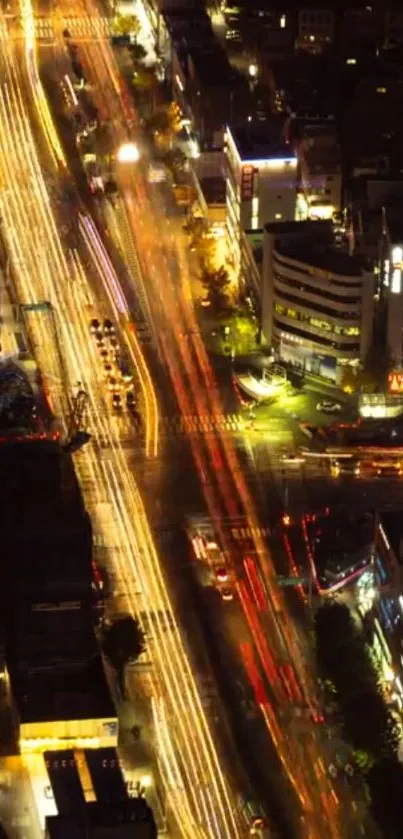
[82, 283]
[195, 786]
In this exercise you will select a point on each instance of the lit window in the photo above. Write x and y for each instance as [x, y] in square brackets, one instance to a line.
[283, 22]
[351, 61]
[396, 281]
[381, 89]
[278, 216]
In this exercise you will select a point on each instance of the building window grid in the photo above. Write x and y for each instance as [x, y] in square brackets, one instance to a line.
[353, 282]
[316, 339]
[317, 323]
[306, 288]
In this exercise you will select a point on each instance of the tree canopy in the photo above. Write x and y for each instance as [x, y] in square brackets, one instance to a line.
[217, 283]
[344, 659]
[144, 78]
[123, 642]
[385, 783]
[126, 25]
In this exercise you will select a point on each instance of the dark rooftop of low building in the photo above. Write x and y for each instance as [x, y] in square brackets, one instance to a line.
[311, 242]
[78, 691]
[133, 819]
[37, 480]
[193, 25]
[213, 189]
[319, 230]
[53, 632]
[326, 258]
[261, 139]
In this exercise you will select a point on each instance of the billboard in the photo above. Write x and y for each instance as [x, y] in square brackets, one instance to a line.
[247, 183]
[395, 381]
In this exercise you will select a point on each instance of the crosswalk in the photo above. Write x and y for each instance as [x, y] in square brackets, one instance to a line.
[200, 423]
[84, 28]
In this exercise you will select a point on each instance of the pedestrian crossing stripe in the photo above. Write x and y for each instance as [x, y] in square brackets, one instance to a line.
[188, 423]
[249, 532]
[78, 27]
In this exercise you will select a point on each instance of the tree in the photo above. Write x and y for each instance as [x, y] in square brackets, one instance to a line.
[385, 783]
[344, 659]
[196, 228]
[165, 120]
[144, 78]
[123, 642]
[176, 160]
[160, 122]
[217, 283]
[137, 52]
[351, 379]
[126, 25]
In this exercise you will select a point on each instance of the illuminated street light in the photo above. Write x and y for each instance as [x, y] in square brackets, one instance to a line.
[253, 70]
[128, 153]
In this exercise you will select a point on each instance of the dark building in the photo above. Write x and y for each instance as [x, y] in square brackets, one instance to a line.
[56, 674]
[131, 819]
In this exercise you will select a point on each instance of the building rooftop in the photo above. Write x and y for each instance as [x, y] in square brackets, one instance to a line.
[210, 62]
[36, 477]
[326, 258]
[322, 230]
[213, 189]
[261, 139]
[193, 25]
[51, 632]
[311, 242]
[132, 818]
[77, 692]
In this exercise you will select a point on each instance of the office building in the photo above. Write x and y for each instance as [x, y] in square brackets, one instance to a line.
[320, 166]
[206, 87]
[132, 819]
[316, 25]
[317, 301]
[379, 597]
[56, 676]
[261, 178]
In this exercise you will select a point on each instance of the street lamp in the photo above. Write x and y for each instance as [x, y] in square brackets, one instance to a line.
[253, 70]
[128, 153]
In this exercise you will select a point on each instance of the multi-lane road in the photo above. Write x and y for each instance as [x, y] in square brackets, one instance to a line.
[149, 233]
[124, 480]
[79, 285]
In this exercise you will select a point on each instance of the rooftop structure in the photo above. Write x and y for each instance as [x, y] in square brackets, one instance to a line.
[67, 706]
[132, 819]
[260, 140]
[342, 548]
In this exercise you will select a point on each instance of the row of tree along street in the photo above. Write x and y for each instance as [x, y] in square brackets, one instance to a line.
[369, 725]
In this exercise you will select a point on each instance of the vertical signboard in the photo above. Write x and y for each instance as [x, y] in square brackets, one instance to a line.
[247, 183]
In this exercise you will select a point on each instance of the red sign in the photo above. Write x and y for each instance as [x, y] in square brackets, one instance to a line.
[247, 183]
[395, 382]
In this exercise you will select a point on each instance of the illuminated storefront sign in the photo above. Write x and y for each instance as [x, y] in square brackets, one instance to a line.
[395, 382]
[393, 269]
[247, 183]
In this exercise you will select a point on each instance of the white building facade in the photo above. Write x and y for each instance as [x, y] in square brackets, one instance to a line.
[317, 303]
[261, 183]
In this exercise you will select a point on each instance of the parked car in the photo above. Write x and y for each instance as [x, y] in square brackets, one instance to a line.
[327, 406]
